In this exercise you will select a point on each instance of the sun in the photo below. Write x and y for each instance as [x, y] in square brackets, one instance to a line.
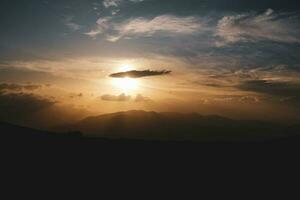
[125, 68]
[126, 84]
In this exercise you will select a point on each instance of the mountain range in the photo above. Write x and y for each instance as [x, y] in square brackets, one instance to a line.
[177, 127]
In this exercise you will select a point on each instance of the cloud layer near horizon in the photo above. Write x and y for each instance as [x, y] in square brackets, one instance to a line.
[18, 87]
[124, 98]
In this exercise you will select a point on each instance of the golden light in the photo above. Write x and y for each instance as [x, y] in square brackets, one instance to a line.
[126, 84]
[126, 68]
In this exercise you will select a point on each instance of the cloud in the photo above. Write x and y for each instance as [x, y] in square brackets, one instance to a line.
[277, 27]
[121, 97]
[18, 87]
[37, 111]
[141, 98]
[79, 95]
[103, 24]
[142, 27]
[111, 3]
[136, 1]
[281, 89]
[139, 74]
[249, 99]
[68, 21]
[20, 105]
[264, 86]
[117, 3]
[164, 23]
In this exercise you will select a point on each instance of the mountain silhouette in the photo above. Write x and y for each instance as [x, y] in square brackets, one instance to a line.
[18, 134]
[178, 127]
[140, 127]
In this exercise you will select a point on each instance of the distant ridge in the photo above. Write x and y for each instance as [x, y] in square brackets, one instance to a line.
[167, 126]
[20, 133]
[18, 136]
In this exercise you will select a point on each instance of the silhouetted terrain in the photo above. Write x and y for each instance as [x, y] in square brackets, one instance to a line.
[27, 151]
[139, 127]
[19, 134]
[178, 127]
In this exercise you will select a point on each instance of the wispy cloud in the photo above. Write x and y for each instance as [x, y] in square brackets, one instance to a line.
[139, 74]
[136, 1]
[18, 87]
[164, 23]
[111, 3]
[276, 88]
[68, 21]
[102, 25]
[125, 98]
[278, 27]
[116, 3]
[142, 27]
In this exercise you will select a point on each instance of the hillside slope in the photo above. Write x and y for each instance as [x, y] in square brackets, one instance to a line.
[178, 127]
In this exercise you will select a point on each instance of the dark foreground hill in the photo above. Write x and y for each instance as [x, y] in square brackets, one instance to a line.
[26, 144]
[179, 127]
[27, 151]
[18, 135]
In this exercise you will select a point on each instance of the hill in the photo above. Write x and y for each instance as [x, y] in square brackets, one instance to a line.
[178, 127]
[19, 134]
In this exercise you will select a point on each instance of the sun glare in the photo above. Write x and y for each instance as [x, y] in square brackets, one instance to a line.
[125, 68]
[126, 84]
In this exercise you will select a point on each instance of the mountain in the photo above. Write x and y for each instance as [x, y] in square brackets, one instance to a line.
[178, 127]
[19, 134]
[143, 128]
[25, 150]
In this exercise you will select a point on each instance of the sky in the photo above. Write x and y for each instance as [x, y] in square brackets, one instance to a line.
[65, 59]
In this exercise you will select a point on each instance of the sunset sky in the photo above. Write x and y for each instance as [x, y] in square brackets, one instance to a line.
[64, 59]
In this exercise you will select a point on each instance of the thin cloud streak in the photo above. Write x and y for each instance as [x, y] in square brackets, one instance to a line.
[117, 3]
[139, 74]
[250, 27]
[18, 87]
[111, 3]
[142, 27]
[120, 98]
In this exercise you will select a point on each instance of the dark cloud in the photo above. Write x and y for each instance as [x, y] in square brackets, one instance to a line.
[122, 97]
[283, 90]
[37, 111]
[139, 74]
[76, 95]
[19, 106]
[18, 87]
[271, 87]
